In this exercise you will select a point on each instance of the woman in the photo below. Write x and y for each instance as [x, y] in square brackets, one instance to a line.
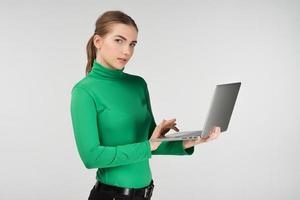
[112, 118]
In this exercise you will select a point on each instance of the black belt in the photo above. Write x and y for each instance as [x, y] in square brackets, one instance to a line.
[143, 192]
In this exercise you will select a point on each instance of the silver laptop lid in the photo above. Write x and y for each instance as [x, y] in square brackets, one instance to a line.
[221, 108]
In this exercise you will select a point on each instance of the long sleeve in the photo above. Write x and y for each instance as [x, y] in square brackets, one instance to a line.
[92, 153]
[166, 147]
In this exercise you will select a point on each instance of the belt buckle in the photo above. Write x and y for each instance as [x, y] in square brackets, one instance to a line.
[145, 194]
[148, 191]
[126, 191]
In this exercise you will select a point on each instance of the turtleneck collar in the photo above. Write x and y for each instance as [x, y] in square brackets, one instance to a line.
[101, 71]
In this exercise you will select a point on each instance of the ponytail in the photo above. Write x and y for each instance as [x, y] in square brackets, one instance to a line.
[91, 54]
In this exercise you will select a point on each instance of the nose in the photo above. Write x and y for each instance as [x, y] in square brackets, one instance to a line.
[126, 50]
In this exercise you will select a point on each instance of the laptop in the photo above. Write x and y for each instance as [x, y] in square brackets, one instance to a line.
[219, 114]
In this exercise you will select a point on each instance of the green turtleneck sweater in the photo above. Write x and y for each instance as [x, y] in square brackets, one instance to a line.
[112, 124]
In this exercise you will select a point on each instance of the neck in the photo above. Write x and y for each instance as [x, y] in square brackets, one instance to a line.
[101, 71]
[105, 64]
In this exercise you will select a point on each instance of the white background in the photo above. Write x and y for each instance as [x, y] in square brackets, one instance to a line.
[184, 49]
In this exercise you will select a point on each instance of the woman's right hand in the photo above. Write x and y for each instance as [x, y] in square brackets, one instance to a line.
[160, 130]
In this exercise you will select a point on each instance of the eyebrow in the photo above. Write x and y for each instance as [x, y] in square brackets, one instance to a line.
[124, 38]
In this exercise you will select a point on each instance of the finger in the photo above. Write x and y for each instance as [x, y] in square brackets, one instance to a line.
[215, 129]
[217, 132]
[214, 135]
[175, 128]
[172, 126]
[210, 132]
[168, 124]
[171, 120]
[206, 137]
[163, 122]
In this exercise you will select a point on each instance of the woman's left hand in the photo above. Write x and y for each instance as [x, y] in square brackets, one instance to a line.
[214, 133]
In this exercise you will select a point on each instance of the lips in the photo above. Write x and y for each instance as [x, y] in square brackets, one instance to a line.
[122, 59]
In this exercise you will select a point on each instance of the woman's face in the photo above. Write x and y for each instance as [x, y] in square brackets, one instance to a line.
[115, 49]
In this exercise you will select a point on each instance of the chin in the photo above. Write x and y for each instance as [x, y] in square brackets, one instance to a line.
[119, 66]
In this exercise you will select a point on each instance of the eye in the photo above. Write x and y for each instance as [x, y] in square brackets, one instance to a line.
[118, 41]
[133, 44]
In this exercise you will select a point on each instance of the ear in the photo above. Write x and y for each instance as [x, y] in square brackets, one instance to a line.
[98, 41]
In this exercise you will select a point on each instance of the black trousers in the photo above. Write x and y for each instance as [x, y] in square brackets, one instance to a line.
[108, 194]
